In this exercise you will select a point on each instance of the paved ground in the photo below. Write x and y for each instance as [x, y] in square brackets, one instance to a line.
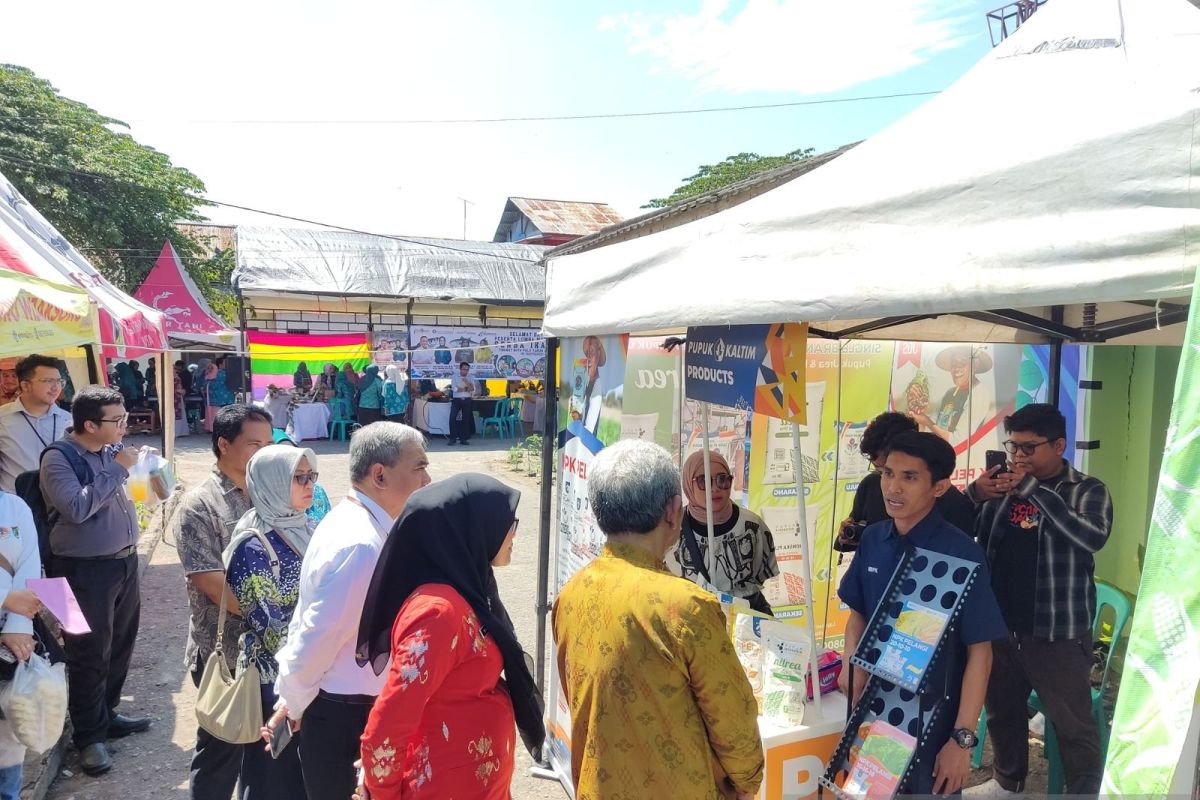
[155, 764]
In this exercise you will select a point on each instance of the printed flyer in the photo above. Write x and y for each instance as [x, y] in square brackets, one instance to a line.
[911, 646]
[880, 763]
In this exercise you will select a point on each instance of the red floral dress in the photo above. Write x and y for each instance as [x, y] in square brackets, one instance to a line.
[443, 726]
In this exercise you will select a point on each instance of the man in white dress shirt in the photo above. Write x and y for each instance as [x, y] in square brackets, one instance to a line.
[320, 683]
[32, 422]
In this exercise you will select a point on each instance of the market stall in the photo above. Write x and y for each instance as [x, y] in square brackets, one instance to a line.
[953, 225]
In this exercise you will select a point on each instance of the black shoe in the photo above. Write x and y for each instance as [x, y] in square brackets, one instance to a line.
[465, 441]
[449, 442]
[121, 725]
[94, 759]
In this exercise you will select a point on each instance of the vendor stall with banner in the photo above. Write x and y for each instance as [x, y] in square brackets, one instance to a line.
[953, 229]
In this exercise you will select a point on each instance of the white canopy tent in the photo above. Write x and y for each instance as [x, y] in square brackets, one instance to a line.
[1051, 193]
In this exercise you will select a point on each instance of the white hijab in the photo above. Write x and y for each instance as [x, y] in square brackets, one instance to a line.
[269, 481]
[394, 374]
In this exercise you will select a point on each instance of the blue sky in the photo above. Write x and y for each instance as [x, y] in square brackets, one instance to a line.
[181, 78]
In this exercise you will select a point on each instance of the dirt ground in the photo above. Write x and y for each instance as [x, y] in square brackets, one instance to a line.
[155, 764]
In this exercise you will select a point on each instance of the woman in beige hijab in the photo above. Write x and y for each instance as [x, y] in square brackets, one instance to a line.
[744, 547]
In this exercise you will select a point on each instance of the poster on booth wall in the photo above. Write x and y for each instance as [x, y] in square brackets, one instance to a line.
[592, 392]
[390, 347]
[516, 354]
[749, 367]
[652, 391]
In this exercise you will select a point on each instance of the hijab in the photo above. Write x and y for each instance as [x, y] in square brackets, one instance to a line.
[693, 468]
[393, 375]
[370, 375]
[350, 375]
[269, 482]
[301, 378]
[329, 375]
[449, 533]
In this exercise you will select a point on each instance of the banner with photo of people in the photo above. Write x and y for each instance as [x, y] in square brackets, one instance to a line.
[515, 354]
[390, 347]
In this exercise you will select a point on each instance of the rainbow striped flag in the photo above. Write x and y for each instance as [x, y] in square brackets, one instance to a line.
[275, 357]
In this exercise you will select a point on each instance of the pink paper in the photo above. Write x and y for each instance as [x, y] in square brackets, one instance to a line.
[56, 595]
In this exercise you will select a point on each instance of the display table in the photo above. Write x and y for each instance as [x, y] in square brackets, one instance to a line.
[797, 757]
[431, 417]
[310, 421]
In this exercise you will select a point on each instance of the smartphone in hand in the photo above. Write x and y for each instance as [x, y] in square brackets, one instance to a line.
[280, 736]
[997, 458]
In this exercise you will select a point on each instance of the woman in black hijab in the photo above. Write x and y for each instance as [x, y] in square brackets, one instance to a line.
[443, 725]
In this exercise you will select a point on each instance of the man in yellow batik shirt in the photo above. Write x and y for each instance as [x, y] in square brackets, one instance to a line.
[660, 705]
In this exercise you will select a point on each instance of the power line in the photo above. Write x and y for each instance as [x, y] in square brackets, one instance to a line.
[208, 201]
[547, 118]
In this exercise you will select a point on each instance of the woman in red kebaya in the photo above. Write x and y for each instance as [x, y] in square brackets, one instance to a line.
[443, 725]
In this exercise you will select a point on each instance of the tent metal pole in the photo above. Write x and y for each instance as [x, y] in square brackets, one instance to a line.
[245, 354]
[549, 434]
[1055, 366]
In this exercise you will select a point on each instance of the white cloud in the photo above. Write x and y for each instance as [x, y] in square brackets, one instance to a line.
[804, 46]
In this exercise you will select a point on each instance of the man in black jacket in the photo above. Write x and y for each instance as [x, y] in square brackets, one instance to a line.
[868, 505]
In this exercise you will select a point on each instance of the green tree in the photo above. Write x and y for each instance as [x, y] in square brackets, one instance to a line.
[733, 169]
[113, 198]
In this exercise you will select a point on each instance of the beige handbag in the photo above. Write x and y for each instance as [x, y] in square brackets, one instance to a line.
[228, 707]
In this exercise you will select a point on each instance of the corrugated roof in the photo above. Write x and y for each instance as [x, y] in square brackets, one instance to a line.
[563, 217]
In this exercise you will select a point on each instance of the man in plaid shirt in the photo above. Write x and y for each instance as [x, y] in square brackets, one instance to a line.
[1040, 523]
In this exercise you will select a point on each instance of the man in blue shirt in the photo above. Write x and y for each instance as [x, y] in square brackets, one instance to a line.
[916, 472]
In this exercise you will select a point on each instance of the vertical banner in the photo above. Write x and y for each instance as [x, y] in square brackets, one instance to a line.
[592, 389]
[651, 407]
[1159, 684]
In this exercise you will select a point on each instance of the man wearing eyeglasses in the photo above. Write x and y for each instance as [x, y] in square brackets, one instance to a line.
[1041, 523]
[29, 424]
[93, 543]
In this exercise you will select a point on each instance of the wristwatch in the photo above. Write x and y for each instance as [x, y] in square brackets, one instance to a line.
[965, 738]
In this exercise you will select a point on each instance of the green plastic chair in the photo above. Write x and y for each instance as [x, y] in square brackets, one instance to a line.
[341, 426]
[516, 426]
[1107, 596]
[498, 419]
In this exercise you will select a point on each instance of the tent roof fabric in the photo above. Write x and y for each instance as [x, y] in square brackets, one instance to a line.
[186, 314]
[684, 210]
[274, 261]
[30, 244]
[43, 315]
[566, 217]
[1064, 168]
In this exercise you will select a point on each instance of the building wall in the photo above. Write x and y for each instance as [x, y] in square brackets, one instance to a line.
[1129, 417]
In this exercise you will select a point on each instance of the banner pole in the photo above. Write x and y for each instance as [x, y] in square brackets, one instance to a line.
[710, 556]
[809, 622]
[549, 468]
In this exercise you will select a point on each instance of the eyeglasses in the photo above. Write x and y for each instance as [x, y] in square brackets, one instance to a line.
[52, 381]
[305, 478]
[120, 422]
[722, 481]
[1025, 448]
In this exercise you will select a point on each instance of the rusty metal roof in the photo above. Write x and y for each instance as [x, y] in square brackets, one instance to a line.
[564, 217]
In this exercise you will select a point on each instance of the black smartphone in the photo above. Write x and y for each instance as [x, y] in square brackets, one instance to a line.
[997, 458]
[280, 736]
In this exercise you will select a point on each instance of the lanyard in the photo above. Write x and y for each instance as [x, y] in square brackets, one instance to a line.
[32, 427]
[352, 499]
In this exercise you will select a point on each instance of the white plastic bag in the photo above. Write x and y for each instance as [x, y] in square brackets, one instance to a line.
[35, 702]
[150, 479]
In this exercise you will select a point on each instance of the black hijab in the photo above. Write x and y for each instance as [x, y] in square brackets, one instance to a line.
[449, 533]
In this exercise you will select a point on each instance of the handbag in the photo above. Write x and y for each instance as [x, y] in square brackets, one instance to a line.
[227, 706]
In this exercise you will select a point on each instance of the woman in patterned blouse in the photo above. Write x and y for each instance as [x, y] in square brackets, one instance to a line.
[263, 569]
[443, 725]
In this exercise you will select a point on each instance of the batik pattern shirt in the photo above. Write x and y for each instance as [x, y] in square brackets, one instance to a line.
[660, 705]
[267, 601]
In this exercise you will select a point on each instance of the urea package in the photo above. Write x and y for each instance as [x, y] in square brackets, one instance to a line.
[775, 656]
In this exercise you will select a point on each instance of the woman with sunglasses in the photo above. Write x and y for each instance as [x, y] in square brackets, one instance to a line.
[745, 549]
[262, 567]
[443, 727]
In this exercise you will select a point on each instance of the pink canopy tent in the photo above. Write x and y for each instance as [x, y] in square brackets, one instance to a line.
[31, 245]
[187, 317]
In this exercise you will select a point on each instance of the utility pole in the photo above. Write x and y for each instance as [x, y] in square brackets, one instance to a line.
[465, 203]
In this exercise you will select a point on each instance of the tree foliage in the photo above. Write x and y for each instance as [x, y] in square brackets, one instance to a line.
[711, 177]
[113, 198]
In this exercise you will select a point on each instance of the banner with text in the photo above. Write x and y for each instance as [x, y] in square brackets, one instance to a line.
[757, 367]
[515, 354]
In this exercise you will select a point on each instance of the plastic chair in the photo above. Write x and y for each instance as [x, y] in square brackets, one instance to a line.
[499, 419]
[516, 425]
[340, 423]
[1106, 597]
